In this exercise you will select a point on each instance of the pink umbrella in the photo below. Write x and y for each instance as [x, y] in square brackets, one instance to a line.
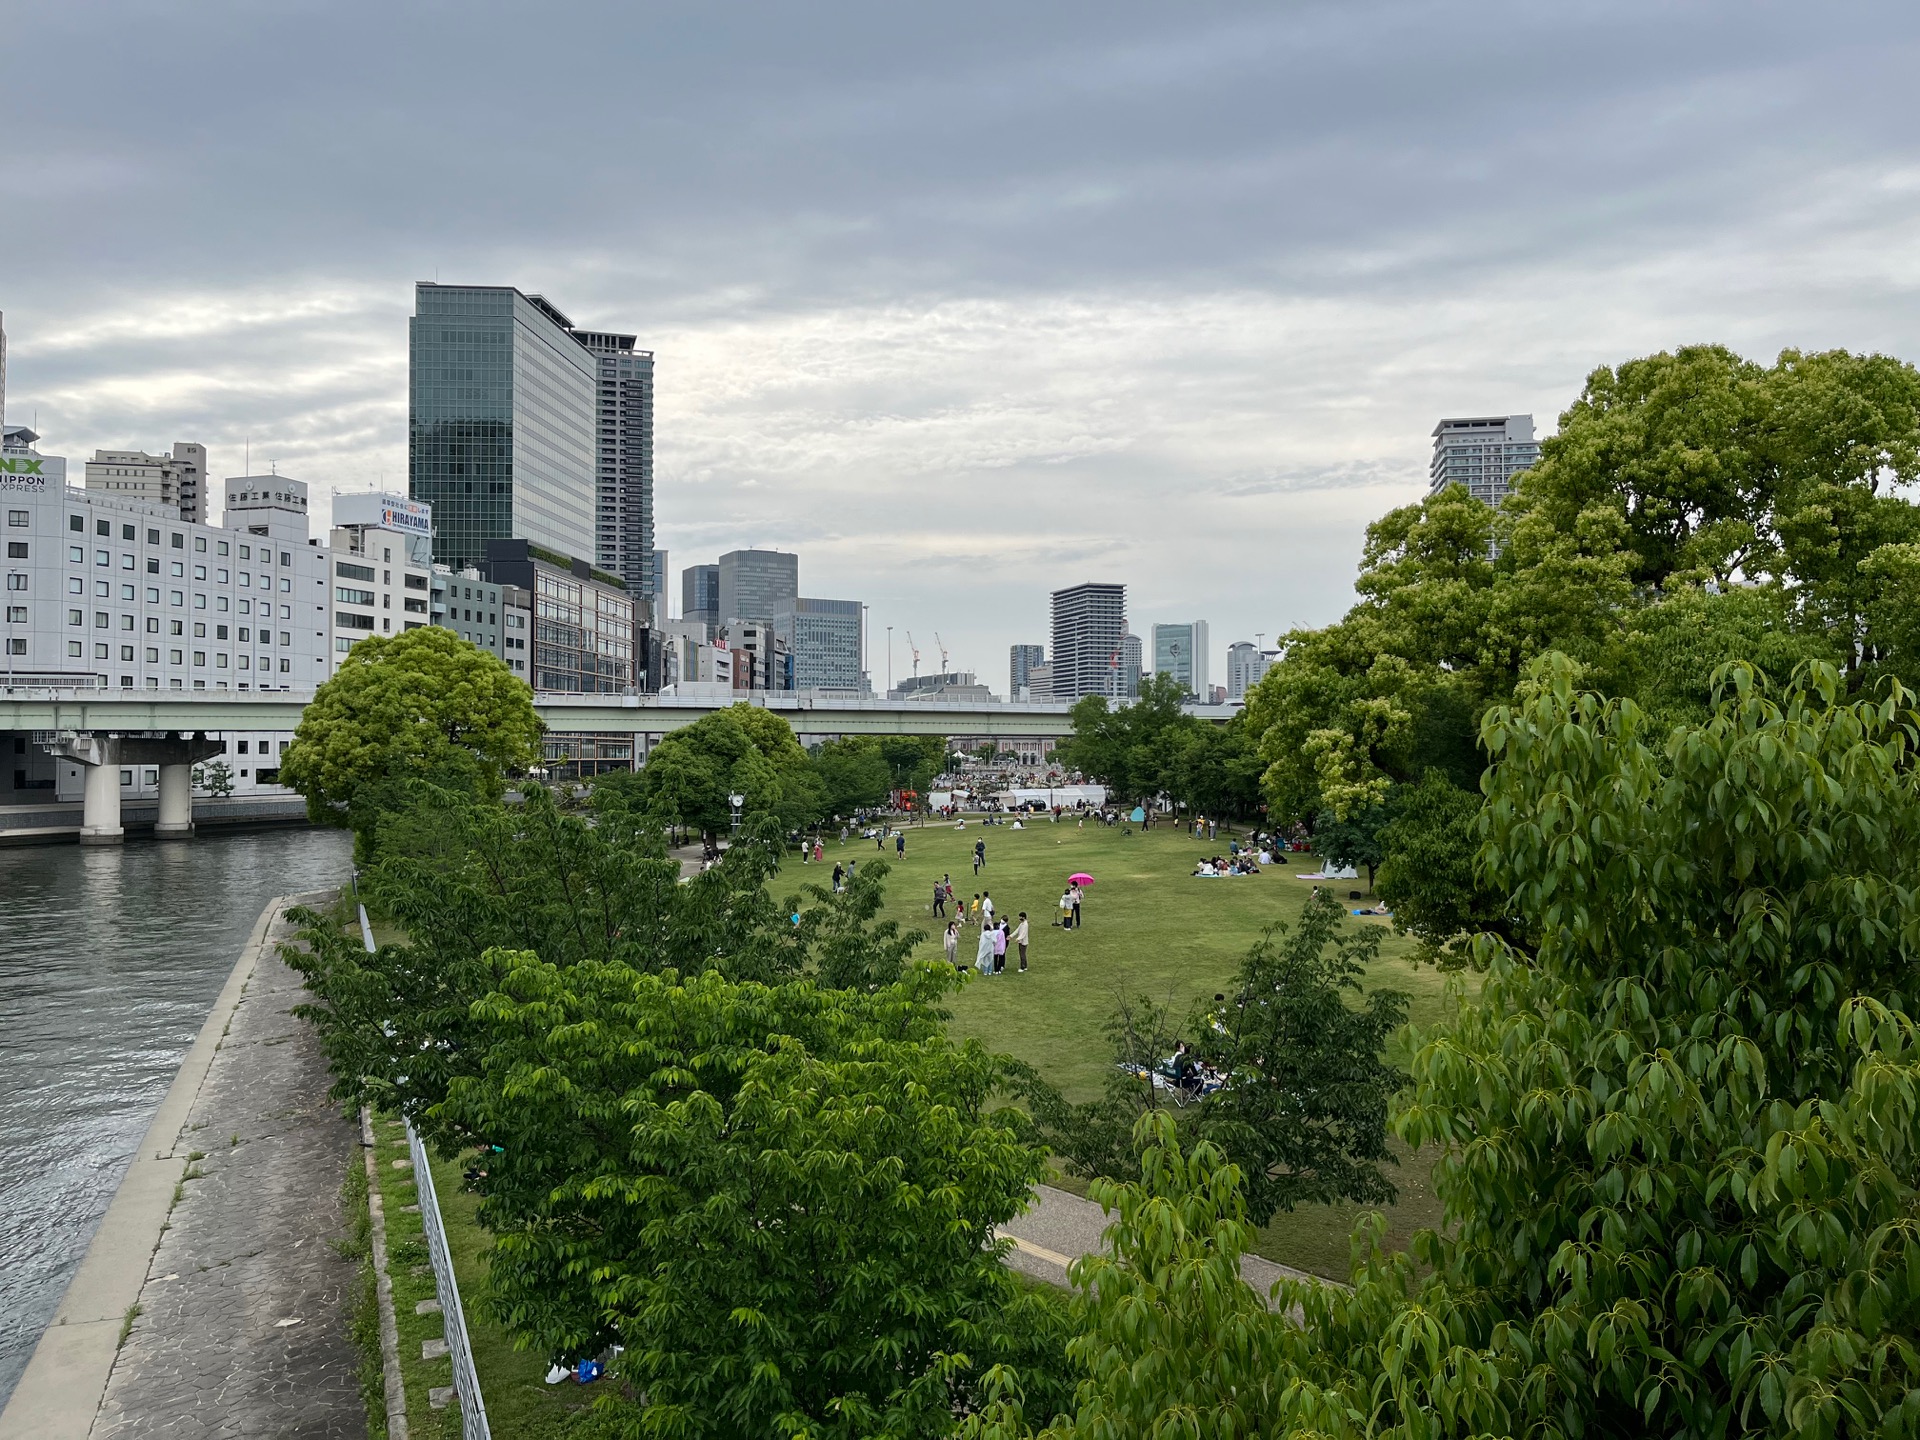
[1082, 879]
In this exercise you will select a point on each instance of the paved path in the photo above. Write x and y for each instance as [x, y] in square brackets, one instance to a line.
[243, 1325]
[1060, 1227]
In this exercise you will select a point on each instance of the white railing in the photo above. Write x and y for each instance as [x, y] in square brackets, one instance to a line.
[466, 1381]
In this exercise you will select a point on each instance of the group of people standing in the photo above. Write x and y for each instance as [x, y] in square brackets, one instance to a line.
[997, 937]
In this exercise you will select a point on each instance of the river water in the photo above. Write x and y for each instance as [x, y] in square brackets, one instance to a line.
[110, 959]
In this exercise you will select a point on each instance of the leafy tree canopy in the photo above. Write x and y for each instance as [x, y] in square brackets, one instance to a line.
[422, 702]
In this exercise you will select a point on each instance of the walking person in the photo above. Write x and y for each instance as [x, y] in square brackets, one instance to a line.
[1020, 939]
[974, 917]
[951, 940]
[839, 875]
[900, 844]
[939, 899]
[999, 946]
[983, 952]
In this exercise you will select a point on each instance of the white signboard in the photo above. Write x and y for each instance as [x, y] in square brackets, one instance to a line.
[23, 472]
[389, 512]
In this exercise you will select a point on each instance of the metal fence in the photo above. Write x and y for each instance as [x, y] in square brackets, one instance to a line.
[466, 1381]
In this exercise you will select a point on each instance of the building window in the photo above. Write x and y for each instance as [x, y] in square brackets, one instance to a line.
[199, 657]
[220, 660]
[126, 653]
[179, 542]
[16, 582]
[101, 620]
[16, 549]
[76, 649]
[102, 527]
[19, 519]
[153, 655]
[16, 614]
[348, 596]
[16, 647]
[153, 537]
[223, 547]
[77, 522]
[348, 571]
[173, 657]
[101, 557]
[76, 555]
[200, 544]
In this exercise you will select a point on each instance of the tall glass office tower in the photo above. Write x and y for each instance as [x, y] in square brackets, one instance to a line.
[503, 424]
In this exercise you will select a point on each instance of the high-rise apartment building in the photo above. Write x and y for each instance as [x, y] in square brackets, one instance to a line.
[700, 596]
[503, 422]
[1483, 453]
[1246, 663]
[178, 479]
[1089, 628]
[754, 584]
[823, 636]
[1180, 651]
[657, 594]
[624, 465]
[1020, 662]
[1131, 667]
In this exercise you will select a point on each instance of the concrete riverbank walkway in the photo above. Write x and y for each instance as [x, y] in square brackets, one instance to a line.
[1060, 1227]
[243, 1298]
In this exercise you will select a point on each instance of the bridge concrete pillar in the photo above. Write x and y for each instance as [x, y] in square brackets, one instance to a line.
[176, 802]
[100, 810]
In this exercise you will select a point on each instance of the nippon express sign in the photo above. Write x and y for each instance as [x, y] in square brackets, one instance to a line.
[31, 472]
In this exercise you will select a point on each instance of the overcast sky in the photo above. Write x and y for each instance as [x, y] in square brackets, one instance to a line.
[962, 302]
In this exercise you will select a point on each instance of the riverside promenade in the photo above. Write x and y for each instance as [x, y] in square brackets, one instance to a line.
[223, 1235]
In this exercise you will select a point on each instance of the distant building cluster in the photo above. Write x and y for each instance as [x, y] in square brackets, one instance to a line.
[528, 529]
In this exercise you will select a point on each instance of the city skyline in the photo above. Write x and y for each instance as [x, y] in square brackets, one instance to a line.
[945, 305]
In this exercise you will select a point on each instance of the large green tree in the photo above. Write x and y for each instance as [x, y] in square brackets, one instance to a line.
[1299, 1040]
[744, 750]
[419, 703]
[780, 1200]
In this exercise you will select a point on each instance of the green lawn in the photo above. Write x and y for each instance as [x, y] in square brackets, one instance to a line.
[1150, 928]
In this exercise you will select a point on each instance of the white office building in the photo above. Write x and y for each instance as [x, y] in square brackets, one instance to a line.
[382, 556]
[125, 595]
[1483, 453]
[1246, 663]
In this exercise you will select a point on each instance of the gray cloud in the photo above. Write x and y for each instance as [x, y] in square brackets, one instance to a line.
[961, 303]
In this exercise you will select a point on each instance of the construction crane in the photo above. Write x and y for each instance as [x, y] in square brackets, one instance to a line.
[945, 668]
[916, 654]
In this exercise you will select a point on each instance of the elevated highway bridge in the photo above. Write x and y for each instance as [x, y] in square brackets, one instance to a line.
[104, 730]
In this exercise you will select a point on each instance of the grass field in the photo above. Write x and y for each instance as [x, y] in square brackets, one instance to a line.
[1150, 928]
